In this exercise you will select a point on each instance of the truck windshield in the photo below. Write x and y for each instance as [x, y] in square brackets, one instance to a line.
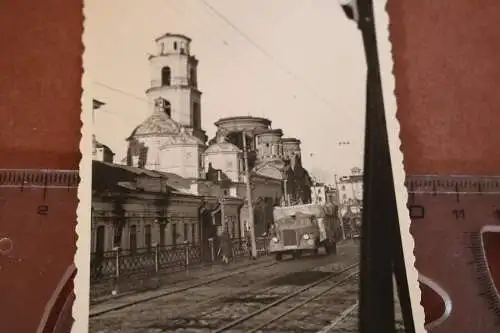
[295, 221]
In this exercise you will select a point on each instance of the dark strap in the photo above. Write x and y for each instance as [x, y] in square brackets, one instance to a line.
[381, 247]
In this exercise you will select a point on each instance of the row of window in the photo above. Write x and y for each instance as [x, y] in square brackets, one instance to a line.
[189, 234]
[182, 49]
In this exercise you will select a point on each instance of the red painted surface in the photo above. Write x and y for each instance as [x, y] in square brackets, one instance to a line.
[492, 251]
[432, 303]
[40, 89]
[43, 248]
[446, 253]
[446, 67]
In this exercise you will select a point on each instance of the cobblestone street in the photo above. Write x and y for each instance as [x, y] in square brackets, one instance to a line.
[208, 307]
[349, 324]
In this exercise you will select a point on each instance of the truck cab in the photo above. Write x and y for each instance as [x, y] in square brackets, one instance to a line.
[302, 229]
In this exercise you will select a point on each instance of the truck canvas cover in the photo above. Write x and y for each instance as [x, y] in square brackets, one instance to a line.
[303, 213]
[297, 210]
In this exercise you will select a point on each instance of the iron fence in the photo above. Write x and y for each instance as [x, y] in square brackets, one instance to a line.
[121, 263]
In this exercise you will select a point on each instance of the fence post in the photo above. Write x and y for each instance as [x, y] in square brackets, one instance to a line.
[212, 253]
[234, 251]
[117, 271]
[186, 253]
[157, 259]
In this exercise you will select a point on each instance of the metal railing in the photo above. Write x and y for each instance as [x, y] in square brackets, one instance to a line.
[120, 263]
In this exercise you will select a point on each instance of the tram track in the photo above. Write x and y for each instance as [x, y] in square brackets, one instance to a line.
[201, 307]
[279, 311]
[260, 286]
[146, 299]
[307, 264]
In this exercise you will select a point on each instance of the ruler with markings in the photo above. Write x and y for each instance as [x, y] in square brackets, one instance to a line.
[37, 246]
[456, 227]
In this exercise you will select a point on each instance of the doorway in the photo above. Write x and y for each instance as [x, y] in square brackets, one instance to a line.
[207, 231]
[100, 240]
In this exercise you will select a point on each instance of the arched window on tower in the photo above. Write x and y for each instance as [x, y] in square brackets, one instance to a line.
[175, 45]
[166, 76]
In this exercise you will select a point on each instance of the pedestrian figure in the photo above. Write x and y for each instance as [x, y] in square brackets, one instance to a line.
[225, 246]
[249, 243]
[96, 264]
[272, 230]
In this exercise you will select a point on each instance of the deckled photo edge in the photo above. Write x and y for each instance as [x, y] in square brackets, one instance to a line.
[388, 89]
[82, 258]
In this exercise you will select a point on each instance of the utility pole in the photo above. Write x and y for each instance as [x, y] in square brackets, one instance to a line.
[285, 189]
[338, 210]
[222, 214]
[249, 198]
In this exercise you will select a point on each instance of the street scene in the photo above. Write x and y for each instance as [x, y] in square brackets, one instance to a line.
[227, 187]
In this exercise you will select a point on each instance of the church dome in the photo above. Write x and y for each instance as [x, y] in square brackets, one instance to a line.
[222, 147]
[159, 124]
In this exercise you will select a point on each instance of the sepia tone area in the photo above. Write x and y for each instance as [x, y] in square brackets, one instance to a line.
[212, 215]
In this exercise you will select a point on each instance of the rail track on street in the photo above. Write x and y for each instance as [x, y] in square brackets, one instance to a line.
[190, 309]
[308, 309]
[169, 292]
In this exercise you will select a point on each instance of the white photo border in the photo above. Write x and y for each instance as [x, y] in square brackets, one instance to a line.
[386, 64]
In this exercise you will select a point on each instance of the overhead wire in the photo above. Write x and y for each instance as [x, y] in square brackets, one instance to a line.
[267, 54]
[214, 12]
[218, 14]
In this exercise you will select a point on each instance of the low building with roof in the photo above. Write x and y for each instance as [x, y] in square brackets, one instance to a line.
[101, 152]
[135, 208]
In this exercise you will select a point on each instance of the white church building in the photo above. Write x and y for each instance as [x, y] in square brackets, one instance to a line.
[171, 141]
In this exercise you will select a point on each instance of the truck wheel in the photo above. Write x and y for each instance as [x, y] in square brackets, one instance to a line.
[278, 257]
[327, 248]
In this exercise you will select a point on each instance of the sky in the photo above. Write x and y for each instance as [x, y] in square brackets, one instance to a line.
[298, 63]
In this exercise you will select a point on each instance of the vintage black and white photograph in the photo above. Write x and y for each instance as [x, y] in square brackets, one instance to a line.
[227, 165]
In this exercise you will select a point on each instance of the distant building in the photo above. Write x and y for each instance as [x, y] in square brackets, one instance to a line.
[351, 186]
[322, 193]
[351, 197]
[276, 178]
[101, 152]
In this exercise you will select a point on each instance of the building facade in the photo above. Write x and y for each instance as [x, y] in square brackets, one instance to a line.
[322, 193]
[351, 198]
[134, 208]
[351, 186]
[175, 186]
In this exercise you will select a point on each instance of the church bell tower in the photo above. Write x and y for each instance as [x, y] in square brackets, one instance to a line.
[174, 79]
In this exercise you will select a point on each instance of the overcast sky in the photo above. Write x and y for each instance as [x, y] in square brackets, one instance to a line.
[306, 72]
